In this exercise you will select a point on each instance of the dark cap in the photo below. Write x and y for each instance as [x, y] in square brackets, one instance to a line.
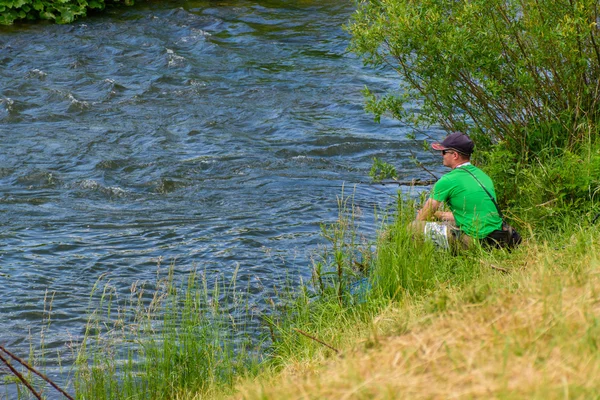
[457, 141]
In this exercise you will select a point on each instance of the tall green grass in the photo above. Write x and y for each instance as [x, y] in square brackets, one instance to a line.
[186, 339]
[352, 283]
[528, 331]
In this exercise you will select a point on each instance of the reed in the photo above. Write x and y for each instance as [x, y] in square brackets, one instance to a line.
[185, 339]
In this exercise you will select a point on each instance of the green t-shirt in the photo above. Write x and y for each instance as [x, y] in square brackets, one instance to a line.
[474, 212]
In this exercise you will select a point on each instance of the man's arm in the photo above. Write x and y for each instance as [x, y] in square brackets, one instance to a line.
[429, 210]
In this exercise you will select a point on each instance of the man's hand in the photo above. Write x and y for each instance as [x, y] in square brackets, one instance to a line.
[429, 210]
[444, 216]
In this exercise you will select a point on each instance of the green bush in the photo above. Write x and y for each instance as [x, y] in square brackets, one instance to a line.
[525, 72]
[60, 11]
[551, 187]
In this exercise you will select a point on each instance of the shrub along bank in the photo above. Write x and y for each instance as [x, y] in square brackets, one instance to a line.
[522, 77]
[521, 72]
[62, 12]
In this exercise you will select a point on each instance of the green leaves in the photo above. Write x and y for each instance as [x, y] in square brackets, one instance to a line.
[60, 11]
[497, 68]
[382, 170]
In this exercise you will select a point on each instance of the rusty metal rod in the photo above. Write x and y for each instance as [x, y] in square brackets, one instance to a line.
[21, 377]
[44, 377]
[316, 340]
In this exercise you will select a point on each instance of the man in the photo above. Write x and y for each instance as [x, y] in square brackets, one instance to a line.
[473, 214]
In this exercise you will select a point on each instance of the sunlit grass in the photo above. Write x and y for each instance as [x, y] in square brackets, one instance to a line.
[185, 339]
[475, 325]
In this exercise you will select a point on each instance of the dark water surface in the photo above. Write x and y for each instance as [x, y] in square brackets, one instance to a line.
[214, 133]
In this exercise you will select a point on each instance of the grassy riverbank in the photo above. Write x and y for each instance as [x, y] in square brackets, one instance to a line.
[493, 325]
[526, 325]
[435, 325]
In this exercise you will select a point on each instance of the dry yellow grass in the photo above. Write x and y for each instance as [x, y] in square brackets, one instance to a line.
[534, 335]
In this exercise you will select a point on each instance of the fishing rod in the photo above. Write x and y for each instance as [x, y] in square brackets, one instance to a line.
[412, 182]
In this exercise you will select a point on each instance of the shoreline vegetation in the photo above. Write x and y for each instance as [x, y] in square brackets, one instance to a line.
[61, 12]
[528, 333]
[404, 320]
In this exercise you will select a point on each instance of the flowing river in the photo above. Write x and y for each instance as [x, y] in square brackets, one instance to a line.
[204, 134]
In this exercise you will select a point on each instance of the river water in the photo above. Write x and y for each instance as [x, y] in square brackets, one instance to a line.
[206, 134]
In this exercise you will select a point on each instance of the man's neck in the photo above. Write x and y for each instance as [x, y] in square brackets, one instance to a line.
[462, 164]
